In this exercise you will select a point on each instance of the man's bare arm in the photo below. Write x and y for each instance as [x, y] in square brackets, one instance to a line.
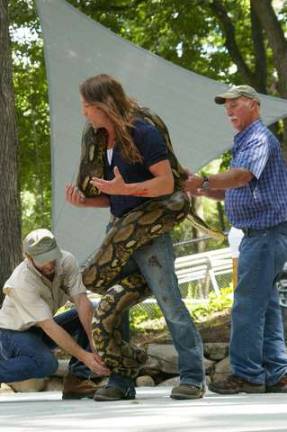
[68, 344]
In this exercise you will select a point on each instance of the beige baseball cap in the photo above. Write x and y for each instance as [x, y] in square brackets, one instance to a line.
[41, 245]
[237, 91]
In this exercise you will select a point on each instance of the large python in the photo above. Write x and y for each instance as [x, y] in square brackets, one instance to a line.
[133, 230]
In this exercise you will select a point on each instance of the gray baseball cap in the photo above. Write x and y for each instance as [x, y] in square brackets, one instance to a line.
[237, 91]
[41, 245]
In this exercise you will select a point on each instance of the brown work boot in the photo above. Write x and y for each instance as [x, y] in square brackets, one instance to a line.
[110, 394]
[234, 384]
[79, 388]
[280, 387]
[187, 391]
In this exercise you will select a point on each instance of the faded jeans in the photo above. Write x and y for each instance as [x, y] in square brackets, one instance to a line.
[155, 262]
[27, 354]
[257, 346]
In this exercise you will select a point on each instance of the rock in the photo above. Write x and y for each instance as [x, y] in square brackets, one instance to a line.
[222, 369]
[216, 350]
[170, 382]
[215, 329]
[208, 365]
[5, 388]
[54, 384]
[151, 364]
[166, 356]
[63, 368]
[30, 385]
[145, 381]
[149, 372]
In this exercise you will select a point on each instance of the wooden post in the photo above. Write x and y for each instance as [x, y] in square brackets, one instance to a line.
[234, 272]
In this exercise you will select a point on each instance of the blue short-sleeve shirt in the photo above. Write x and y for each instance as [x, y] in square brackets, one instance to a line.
[263, 201]
[152, 147]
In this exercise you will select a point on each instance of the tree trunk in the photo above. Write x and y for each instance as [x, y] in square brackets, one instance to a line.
[10, 227]
[278, 44]
[218, 8]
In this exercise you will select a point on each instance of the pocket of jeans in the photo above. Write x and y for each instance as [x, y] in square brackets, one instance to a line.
[283, 230]
[3, 352]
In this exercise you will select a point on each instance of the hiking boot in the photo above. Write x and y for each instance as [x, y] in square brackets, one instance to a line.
[78, 388]
[234, 384]
[187, 391]
[280, 387]
[109, 393]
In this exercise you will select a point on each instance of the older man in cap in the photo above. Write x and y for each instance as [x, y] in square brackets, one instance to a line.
[255, 194]
[37, 288]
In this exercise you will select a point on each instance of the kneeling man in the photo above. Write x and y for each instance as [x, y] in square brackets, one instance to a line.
[37, 288]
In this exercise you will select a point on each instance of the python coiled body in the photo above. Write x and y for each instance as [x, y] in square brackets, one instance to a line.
[132, 231]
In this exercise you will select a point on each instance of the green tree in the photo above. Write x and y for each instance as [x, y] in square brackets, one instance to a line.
[232, 41]
[32, 115]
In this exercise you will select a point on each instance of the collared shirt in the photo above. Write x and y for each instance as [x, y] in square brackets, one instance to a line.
[31, 297]
[152, 148]
[262, 203]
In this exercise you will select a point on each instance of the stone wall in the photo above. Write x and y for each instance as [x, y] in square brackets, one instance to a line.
[161, 367]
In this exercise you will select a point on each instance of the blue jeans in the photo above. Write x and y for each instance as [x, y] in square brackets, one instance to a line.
[27, 354]
[257, 346]
[156, 263]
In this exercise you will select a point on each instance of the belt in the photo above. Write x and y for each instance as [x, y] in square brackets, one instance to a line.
[252, 231]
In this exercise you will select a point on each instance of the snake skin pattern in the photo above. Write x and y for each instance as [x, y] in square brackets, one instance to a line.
[102, 273]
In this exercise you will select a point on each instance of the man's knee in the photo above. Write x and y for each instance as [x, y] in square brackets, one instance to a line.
[47, 366]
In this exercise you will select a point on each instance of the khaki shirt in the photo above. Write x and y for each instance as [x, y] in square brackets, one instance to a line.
[31, 297]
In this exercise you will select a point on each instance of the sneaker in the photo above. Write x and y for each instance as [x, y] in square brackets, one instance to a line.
[280, 387]
[187, 391]
[78, 388]
[109, 393]
[234, 384]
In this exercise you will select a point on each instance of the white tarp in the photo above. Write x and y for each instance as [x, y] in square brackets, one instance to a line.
[76, 48]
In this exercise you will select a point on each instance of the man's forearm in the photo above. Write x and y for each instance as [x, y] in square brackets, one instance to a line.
[62, 339]
[100, 201]
[233, 178]
[157, 186]
[86, 313]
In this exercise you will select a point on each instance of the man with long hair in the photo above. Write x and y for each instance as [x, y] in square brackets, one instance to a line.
[137, 169]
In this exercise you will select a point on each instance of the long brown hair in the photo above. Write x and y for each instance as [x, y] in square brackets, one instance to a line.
[108, 94]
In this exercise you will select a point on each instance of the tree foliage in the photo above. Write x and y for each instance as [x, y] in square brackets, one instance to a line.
[231, 41]
[32, 115]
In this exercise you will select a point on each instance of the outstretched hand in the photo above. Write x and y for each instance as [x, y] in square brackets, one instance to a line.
[96, 364]
[193, 185]
[116, 186]
[74, 196]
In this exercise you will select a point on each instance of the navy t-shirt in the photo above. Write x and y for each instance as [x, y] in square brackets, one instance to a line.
[152, 147]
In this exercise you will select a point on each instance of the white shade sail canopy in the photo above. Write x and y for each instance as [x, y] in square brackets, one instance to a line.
[76, 47]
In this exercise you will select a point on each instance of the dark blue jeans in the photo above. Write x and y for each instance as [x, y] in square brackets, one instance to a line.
[27, 354]
[257, 346]
[156, 263]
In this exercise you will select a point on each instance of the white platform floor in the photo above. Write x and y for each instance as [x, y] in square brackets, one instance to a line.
[152, 411]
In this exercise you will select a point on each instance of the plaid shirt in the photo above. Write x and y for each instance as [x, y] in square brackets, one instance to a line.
[262, 203]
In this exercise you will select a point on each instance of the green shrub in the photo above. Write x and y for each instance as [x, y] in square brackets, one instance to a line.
[146, 317]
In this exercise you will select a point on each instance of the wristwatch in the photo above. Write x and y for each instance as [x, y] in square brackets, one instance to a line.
[205, 184]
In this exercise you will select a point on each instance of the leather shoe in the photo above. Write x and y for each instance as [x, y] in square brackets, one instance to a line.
[109, 393]
[187, 391]
[279, 387]
[234, 384]
[78, 388]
